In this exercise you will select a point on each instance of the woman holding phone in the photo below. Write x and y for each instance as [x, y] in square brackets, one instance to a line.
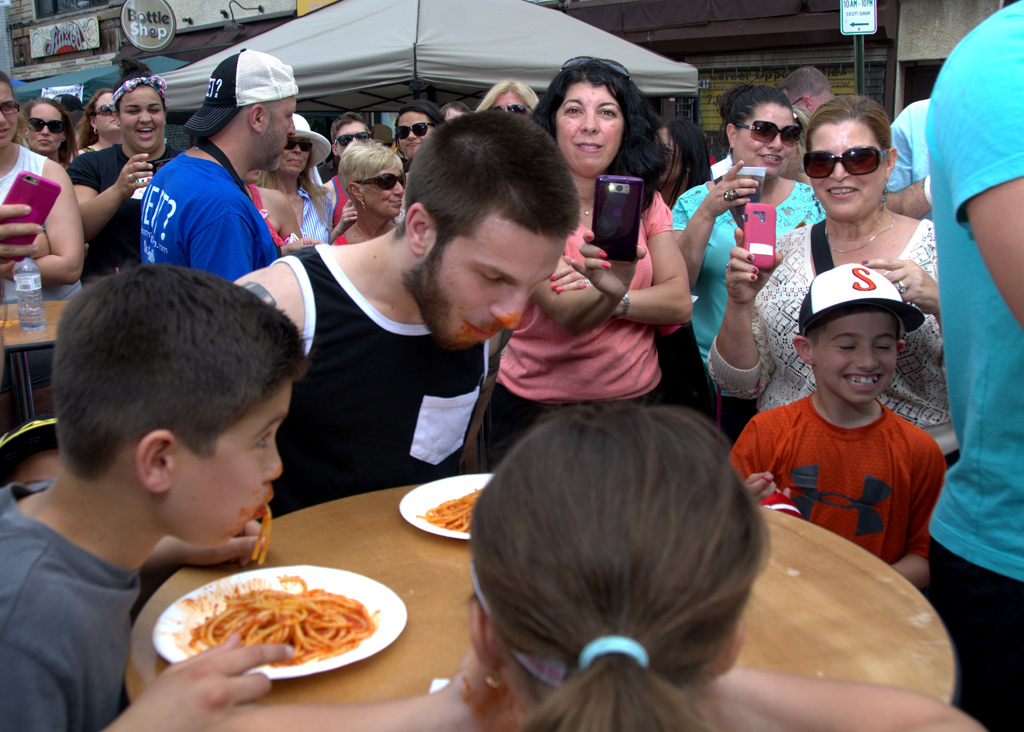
[762, 132]
[109, 183]
[591, 338]
[60, 250]
[849, 160]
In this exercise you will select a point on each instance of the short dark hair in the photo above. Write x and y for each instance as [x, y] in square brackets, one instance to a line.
[739, 102]
[346, 119]
[162, 347]
[479, 164]
[639, 154]
[814, 328]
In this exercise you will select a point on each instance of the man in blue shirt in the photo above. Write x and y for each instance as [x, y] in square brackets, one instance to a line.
[977, 555]
[197, 211]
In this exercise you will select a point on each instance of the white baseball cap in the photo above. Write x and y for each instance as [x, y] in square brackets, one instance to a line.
[855, 284]
[247, 77]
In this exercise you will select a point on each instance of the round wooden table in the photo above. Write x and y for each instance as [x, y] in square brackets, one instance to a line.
[822, 608]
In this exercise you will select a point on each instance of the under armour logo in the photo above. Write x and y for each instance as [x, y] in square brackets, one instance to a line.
[869, 521]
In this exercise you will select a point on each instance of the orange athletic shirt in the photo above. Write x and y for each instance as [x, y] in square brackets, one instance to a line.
[874, 485]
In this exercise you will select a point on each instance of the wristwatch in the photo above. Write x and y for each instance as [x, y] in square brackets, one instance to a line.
[625, 306]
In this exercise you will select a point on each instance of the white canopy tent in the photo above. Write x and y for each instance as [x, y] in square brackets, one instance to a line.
[362, 55]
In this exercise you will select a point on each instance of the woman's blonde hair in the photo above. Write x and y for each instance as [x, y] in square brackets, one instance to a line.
[360, 162]
[318, 194]
[646, 533]
[528, 95]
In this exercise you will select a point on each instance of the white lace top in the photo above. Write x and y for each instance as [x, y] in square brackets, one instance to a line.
[918, 390]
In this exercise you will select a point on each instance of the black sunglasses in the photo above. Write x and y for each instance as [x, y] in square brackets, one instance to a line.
[55, 126]
[766, 131]
[513, 108]
[304, 145]
[613, 65]
[106, 109]
[344, 140]
[385, 181]
[419, 129]
[10, 107]
[856, 160]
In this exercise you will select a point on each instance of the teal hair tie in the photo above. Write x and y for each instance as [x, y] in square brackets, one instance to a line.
[607, 645]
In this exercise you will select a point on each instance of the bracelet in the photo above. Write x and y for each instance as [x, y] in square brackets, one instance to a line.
[625, 306]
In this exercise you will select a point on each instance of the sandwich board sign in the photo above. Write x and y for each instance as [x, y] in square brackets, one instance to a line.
[858, 17]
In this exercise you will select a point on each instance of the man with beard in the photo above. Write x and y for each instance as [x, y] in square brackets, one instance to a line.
[398, 327]
[197, 212]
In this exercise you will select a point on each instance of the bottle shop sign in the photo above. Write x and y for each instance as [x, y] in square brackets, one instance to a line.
[148, 24]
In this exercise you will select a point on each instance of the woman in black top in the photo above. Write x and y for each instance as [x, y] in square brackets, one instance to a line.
[109, 183]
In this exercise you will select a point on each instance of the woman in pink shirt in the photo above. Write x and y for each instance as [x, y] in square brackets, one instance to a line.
[590, 338]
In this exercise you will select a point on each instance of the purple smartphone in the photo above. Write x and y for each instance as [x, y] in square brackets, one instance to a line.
[40, 194]
[617, 208]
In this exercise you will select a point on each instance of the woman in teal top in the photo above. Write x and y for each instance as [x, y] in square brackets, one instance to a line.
[762, 131]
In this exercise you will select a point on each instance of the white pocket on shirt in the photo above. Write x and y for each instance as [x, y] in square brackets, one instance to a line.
[441, 426]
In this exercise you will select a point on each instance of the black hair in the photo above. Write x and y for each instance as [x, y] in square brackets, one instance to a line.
[738, 102]
[133, 69]
[162, 347]
[639, 155]
[690, 147]
[424, 106]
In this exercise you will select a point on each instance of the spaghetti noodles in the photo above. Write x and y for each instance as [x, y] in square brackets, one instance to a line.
[454, 515]
[317, 623]
[259, 552]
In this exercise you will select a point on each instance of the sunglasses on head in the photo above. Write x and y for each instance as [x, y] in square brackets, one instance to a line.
[10, 107]
[385, 181]
[613, 65]
[856, 161]
[766, 131]
[304, 145]
[513, 108]
[55, 126]
[419, 129]
[106, 110]
[344, 140]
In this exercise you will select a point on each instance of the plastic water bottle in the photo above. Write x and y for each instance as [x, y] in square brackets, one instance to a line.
[29, 285]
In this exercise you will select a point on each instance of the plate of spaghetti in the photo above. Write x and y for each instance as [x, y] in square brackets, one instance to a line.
[331, 617]
[444, 507]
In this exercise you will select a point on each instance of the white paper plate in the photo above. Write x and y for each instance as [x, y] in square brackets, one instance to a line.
[172, 630]
[430, 495]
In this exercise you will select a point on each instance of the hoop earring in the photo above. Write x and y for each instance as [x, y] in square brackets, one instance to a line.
[493, 679]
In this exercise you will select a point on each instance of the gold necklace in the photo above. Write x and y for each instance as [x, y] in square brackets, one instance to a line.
[857, 249]
[361, 232]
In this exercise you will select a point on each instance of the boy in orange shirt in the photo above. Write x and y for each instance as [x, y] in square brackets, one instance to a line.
[848, 463]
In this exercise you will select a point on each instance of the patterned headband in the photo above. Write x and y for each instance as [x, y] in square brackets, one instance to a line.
[132, 84]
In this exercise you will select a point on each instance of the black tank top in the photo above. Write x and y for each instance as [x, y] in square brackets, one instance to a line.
[375, 391]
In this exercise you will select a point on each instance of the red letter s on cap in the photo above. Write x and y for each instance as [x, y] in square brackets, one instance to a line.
[864, 276]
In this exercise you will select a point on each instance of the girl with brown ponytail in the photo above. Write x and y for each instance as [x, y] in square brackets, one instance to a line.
[613, 554]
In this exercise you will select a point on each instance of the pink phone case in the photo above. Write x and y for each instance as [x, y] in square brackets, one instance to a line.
[40, 194]
[759, 234]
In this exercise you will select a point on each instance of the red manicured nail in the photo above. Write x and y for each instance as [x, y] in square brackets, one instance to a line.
[606, 265]
[750, 257]
[559, 289]
[604, 255]
[753, 277]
